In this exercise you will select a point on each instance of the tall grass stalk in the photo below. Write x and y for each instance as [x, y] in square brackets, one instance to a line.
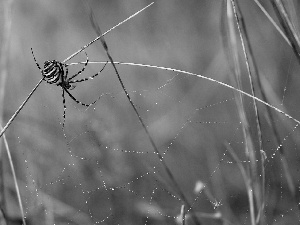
[258, 187]
[236, 78]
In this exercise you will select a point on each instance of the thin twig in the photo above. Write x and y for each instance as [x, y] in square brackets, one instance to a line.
[20, 108]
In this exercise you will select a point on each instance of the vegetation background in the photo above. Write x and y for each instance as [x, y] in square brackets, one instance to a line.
[96, 173]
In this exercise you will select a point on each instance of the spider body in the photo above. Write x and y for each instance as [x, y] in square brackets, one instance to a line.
[56, 72]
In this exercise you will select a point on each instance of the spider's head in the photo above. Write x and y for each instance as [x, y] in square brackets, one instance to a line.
[69, 86]
[53, 66]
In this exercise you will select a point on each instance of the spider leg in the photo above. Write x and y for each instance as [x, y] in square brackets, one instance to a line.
[86, 62]
[67, 72]
[78, 102]
[88, 78]
[65, 107]
[36, 61]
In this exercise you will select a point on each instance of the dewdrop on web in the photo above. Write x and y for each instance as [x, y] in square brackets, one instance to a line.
[182, 217]
[199, 186]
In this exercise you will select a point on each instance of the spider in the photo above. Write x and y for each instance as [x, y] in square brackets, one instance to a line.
[56, 72]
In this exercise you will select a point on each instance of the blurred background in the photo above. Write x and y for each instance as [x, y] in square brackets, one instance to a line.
[105, 169]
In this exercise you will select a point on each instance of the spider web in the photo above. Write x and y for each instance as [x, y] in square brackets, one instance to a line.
[106, 170]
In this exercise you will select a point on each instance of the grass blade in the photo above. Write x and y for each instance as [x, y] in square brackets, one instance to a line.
[287, 27]
[273, 22]
[249, 146]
